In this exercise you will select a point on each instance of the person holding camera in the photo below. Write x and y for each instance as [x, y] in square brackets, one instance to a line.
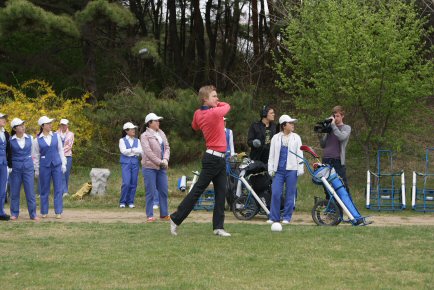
[260, 134]
[334, 138]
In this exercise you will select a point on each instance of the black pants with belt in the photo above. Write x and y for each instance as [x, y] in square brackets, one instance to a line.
[213, 169]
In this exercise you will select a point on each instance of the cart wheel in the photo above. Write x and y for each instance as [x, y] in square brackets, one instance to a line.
[325, 213]
[245, 207]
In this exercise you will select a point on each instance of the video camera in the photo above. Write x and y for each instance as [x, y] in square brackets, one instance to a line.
[323, 126]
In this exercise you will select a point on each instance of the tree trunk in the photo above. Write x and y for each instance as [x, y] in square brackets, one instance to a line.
[156, 18]
[230, 43]
[262, 28]
[201, 74]
[271, 32]
[212, 32]
[255, 28]
[183, 27]
[190, 53]
[89, 55]
[175, 52]
[139, 11]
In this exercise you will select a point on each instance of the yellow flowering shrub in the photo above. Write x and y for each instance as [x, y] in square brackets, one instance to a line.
[35, 98]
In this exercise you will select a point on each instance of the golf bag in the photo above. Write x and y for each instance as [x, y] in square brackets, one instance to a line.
[334, 183]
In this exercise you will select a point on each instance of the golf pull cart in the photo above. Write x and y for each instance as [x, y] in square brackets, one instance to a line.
[252, 193]
[422, 197]
[330, 212]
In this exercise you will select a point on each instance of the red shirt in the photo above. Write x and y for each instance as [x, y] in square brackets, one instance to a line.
[210, 121]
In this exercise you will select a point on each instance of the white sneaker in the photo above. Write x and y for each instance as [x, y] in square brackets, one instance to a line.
[173, 228]
[155, 206]
[122, 205]
[222, 233]
[285, 222]
[131, 206]
[65, 194]
[270, 222]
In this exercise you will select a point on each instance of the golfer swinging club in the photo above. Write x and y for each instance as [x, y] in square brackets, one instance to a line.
[208, 119]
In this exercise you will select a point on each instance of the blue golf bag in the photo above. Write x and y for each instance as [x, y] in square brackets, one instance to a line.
[327, 176]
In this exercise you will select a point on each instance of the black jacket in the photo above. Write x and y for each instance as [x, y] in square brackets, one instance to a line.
[257, 131]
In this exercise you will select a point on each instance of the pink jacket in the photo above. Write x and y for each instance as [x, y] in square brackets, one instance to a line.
[151, 157]
[68, 141]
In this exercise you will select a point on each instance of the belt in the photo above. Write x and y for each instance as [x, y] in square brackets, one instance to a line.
[215, 153]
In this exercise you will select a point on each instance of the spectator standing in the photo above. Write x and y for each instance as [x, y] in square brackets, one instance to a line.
[23, 170]
[285, 167]
[260, 134]
[4, 161]
[230, 149]
[131, 149]
[155, 162]
[67, 138]
[50, 164]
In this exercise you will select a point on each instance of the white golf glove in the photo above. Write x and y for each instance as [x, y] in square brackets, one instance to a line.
[63, 169]
[256, 143]
[9, 170]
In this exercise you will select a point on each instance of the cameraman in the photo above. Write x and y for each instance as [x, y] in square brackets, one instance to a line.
[260, 134]
[335, 143]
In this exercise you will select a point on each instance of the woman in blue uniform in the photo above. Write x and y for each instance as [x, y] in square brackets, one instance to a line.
[131, 149]
[285, 167]
[50, 163]
[23, 170]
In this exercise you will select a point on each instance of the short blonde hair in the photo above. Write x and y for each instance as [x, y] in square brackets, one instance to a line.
[338, 109]
[205, 91]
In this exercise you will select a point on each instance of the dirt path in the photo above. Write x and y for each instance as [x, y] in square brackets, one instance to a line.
[137, 215]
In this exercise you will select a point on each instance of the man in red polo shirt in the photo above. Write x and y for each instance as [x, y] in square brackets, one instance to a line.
[208, 119]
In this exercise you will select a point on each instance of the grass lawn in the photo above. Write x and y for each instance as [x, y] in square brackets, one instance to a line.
[145, 256]
[53, 255]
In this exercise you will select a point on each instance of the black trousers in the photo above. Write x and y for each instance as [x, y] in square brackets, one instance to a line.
[213, 169]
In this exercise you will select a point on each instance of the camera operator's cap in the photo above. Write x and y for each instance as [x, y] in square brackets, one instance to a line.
[287, 119]
[152, 117]
[129, 125]
[64, 121]
[3, 116]
[16, 122]
[45, 120]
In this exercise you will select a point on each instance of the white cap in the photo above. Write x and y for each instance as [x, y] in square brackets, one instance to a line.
[3, 115]
[152, 117]
[287, 119]
[129, 125]
[224, 118]
[16, 122]
[44, 120]
[64, 121]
